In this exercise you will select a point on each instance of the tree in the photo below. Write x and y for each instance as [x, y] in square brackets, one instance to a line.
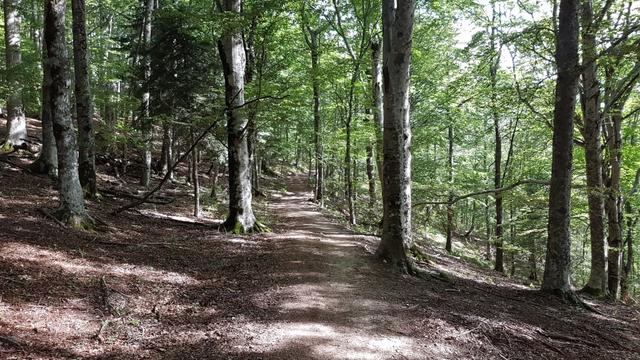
[557, 264]
[47, 162]
[240, 218]
[71, 210]
[16, 121]
[146, 125]
[84, 109]
[590, 129]
[397, 24]
[497, 159]
[312, 39]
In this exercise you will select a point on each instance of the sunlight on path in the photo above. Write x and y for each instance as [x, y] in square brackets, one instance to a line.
[325, 311]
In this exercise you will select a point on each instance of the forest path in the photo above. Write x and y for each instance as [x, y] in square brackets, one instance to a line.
[334, 301]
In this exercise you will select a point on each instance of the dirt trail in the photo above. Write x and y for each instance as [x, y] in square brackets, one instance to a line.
[333, 301]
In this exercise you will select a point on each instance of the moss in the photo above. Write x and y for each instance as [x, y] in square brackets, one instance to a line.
[7, 147]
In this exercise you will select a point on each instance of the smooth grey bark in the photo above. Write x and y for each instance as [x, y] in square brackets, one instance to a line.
[16, 121]
[145, 116]
[378, 107]
[47, 162]
[558, 259]
[84, 108]
[71, 208]
[241, 218]
[590, 129]
[397, 20]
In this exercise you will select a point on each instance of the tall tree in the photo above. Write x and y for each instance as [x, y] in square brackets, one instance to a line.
[145, 115]
[84, 109]
[378, 106]
[397, 24]
[16, 121]
[557, 264]
[47, 162]
[71, 209]
[312, 39]
[241, 218]
[497, 159]
[590, 129]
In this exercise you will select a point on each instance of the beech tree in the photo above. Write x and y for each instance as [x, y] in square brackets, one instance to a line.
[397, 25]
[558, 260]
[16, 121]
[71, 210]
[232, 54]
[84, 111]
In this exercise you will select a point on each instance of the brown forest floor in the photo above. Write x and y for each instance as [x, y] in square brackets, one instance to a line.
[154, 287]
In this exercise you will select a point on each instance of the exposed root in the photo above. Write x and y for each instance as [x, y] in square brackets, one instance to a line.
[571, 298]
[597, 293]
[66, 220]
[40, 167]
[238, 229]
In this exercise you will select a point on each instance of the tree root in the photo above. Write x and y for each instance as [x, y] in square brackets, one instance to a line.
[571, 298]
[66, 220]
[238, 229]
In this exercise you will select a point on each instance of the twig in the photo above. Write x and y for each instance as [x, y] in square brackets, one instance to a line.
[103, 325]
[50, 216]
[168, 174]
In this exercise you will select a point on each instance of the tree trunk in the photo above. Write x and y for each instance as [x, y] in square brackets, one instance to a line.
[16, 122]
[47, 162]
[166, 160]
[317, 119]
[84, 112]
[449, 243]
[378, 108]
[497, 175]
[347, 156]
[197, 212]
[397, 20]
[597, 284]
[558, 259]
[241, 218]
[214, 179]
[71, 208]
[371, 179]
[627, 266]
[145, 116]
[613, 203]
